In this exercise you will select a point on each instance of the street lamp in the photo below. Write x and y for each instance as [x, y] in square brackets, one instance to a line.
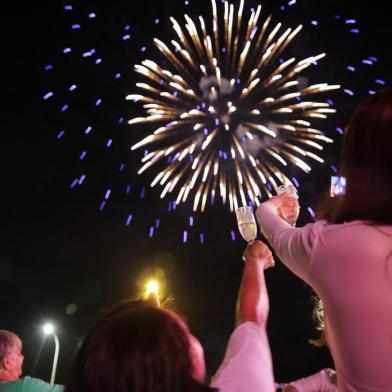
[152, 290]
[49, 330]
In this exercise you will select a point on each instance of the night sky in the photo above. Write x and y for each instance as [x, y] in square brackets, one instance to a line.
[63, 257]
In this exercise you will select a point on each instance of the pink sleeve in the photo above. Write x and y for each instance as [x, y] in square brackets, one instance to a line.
[294, 246]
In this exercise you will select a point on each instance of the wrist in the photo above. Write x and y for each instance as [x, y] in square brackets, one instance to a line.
[255, 259]
[259, 262]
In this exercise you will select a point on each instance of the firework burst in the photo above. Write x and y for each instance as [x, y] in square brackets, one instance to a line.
[229, 113]
[85, 74]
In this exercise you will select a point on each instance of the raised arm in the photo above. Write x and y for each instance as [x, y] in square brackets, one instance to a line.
[247, 365]
[253, 303]
[294, 246]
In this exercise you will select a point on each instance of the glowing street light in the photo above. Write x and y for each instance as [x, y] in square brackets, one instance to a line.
[152, 289]
[48, 329]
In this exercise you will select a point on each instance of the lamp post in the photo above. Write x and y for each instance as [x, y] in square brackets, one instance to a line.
[49, 330]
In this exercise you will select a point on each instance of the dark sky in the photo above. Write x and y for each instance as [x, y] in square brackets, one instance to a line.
[58, 248]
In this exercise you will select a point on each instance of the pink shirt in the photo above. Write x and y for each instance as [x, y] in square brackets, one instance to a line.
[350, 267]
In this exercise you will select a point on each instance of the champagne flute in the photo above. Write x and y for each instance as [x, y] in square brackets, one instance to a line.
[290, 189]
[246, 223]
[291, 192]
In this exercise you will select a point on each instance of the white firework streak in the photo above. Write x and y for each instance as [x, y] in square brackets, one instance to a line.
[230, 116]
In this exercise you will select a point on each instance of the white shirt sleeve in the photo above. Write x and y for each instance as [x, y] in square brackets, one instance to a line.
[323, 381]
[247, 366]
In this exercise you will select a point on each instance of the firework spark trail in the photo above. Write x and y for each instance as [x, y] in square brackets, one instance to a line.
[231, 115]
[240, 159]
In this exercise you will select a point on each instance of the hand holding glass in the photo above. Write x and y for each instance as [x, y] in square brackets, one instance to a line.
[246, 223]
[287, 211]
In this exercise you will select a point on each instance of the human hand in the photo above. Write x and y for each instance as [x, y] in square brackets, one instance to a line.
[259, 251]
[289, 207]
[286, 206]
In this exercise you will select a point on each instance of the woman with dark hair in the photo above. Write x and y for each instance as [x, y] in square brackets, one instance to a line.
[347, 256]
[139, 347]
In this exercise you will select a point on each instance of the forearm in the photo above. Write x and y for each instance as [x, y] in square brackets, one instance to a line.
[289, 388]
[293, 246]
[253, 304]
[270, 222]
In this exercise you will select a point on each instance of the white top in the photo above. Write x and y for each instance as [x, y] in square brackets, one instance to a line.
[349, 265]
[323, 381]
[247, 366]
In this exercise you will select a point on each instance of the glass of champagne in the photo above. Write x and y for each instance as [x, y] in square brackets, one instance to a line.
[291, 192]
[290, 189]
[246, 223]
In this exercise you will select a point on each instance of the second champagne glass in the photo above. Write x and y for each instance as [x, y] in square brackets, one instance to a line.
[246, 223]
[291, 192]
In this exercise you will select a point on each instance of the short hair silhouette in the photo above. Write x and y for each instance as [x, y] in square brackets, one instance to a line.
[7, 343]
[135, 347]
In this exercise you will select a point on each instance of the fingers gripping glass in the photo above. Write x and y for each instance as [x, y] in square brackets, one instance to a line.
[290, 216]
[246, 223]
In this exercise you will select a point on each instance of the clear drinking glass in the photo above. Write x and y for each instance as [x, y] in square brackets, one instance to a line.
[291, 191]
[246, 223]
